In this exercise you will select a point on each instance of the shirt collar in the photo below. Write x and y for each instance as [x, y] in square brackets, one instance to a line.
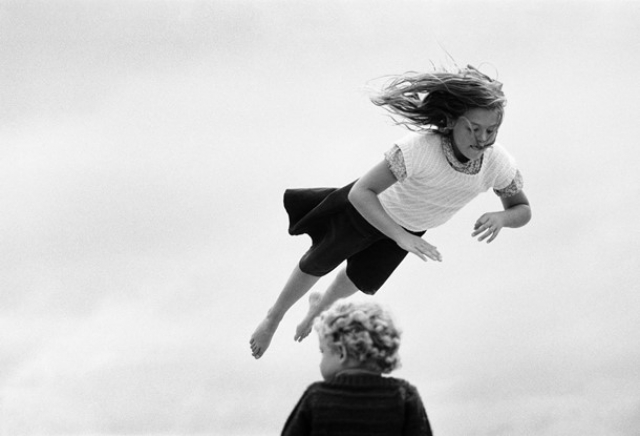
[470, 167]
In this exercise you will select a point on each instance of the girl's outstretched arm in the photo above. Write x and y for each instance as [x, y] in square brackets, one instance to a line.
[364, 197]
[517, 213]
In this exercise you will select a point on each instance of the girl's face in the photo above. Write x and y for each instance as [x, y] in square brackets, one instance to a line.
[474, 132]
[332, 361]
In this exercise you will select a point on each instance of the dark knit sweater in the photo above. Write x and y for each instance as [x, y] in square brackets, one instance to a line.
[359, 405]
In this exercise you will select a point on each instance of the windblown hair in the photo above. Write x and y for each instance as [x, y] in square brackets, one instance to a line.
[366, 331]
[421, 101]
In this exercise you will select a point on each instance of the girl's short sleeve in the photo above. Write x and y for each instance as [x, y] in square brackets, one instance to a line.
[508, 179]
[395, 161]
[408, 156]
[513, 188]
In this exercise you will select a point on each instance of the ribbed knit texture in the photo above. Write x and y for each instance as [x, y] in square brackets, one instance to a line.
[433, 191]
[355, 405]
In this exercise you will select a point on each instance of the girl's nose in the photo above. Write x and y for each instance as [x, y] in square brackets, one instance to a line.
[482, 137]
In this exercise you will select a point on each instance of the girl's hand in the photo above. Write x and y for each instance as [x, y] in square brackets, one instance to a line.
[488, 226]
[418, 246]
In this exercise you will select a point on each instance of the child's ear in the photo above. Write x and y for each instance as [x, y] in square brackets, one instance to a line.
[343, 353]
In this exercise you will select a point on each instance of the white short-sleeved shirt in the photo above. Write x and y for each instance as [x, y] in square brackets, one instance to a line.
[432, 185]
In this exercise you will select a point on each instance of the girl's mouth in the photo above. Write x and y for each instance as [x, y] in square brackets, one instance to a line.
[479, 147]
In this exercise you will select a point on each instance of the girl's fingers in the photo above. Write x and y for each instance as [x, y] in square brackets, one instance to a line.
[420, 255]
[479, 228]
[424, 250]
[489, 233]
[484, 230]
[480, 223]
[433, 254]
[485, 234]
[424, 254]
[493, 235]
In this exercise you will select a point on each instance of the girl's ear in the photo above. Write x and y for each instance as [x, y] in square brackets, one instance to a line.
[450, 123]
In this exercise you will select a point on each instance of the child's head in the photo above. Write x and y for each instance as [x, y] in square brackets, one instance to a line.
[357, 335]
[440, 98]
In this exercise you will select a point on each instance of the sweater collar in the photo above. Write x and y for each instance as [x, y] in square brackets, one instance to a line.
[361, 379]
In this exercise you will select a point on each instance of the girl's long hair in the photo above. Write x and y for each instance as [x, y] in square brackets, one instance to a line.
[435, 100]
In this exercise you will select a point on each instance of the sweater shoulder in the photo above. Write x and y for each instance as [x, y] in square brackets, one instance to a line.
[500, 156]
[404, 384]
[421, 151]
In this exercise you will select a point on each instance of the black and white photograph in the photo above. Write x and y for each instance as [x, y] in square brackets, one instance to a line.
[297, 217]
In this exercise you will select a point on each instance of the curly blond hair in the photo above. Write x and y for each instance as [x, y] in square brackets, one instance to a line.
[436, 99]
[365, 330]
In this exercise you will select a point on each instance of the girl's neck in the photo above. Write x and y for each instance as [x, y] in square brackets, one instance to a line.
[456, 152]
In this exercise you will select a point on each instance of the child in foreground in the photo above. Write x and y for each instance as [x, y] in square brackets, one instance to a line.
[359, 342]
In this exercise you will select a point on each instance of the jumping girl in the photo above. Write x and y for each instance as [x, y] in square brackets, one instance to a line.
[448, 159]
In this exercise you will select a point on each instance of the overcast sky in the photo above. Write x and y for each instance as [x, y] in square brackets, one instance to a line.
[144, 150]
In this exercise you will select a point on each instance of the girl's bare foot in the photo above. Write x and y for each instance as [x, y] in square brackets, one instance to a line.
[304, 328]
[262, 336]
